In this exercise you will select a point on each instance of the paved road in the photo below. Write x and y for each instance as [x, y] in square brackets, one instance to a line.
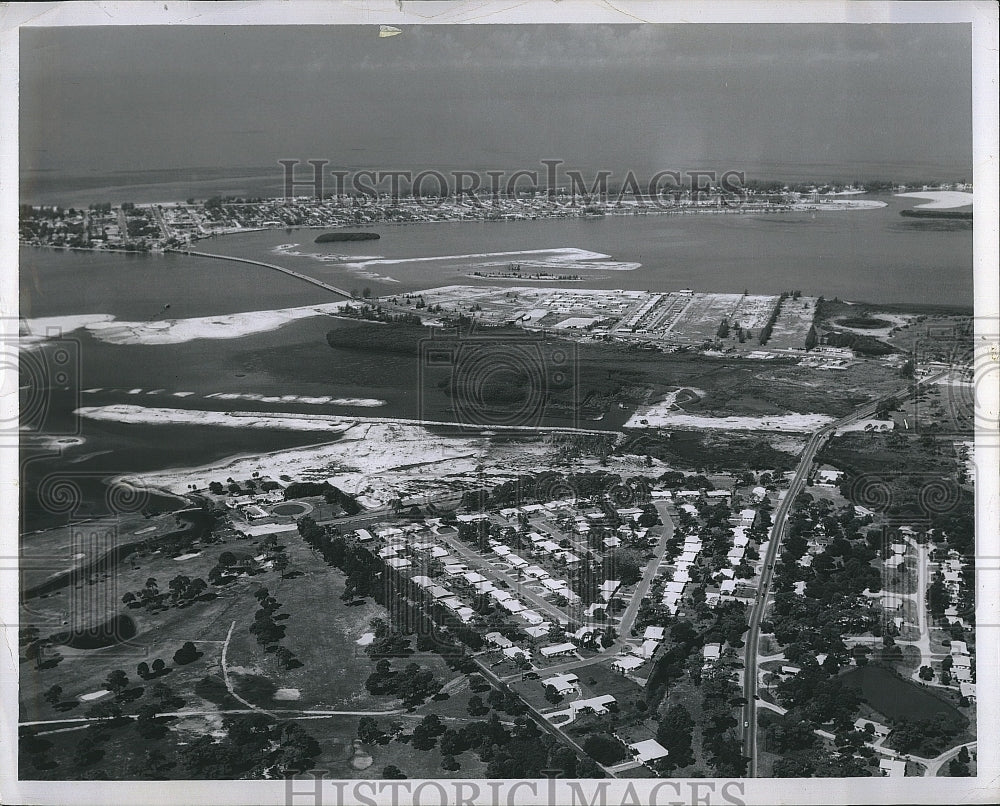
[648, 574]
[814, 443]
[516, 584]
[536, 715]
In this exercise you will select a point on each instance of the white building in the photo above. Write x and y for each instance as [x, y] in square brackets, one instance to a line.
[562, 683]
[627, 663]
[608, 588]
[555, 650]
[599, 704]
[648, 751]
[497, 640]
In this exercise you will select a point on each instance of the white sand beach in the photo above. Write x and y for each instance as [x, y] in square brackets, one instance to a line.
[172, 331]
[939, 199]
[660, 417]
[151, 415]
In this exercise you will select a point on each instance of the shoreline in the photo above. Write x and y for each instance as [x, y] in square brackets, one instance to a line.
[837, 205]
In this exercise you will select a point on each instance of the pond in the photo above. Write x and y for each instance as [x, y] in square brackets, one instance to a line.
[896, 698]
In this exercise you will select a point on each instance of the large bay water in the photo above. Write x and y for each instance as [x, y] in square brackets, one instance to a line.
[865, 255]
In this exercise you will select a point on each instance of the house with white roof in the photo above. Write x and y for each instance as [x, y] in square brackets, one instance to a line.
[654, 633]
[627, 663]
[538, 630]
[480, 516]
[422, 581]
[530, 617]
[569, 558]
[438, 592]
[646, 648]
[648, 751]
[555, 650]
[611, 542]
[562, 683]
[497, 640]
[398, 562]
[881, 731]
[517, 562]
[512, 605]
[711, 651]
[513, 651]
[364, 535]
[828, 478]
[599, 704]
[482, 588]
[962, 674]
[473, 576]
[608, 588]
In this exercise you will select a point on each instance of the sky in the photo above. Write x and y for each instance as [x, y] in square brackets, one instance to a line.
[783, 100]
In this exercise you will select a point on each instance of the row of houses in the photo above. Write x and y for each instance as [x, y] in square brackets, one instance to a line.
[636, 656]
[961, 668]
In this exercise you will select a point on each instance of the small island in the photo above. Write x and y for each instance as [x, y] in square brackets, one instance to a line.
[331, 237]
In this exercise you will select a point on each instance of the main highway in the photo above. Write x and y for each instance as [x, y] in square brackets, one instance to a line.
[798, 481]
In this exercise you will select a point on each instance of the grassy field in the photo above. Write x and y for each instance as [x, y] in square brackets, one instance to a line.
[320, 631]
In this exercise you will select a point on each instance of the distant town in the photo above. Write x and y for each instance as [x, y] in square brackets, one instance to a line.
[134, 227]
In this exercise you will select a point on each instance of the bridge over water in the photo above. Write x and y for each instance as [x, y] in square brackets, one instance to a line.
[304, 277]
